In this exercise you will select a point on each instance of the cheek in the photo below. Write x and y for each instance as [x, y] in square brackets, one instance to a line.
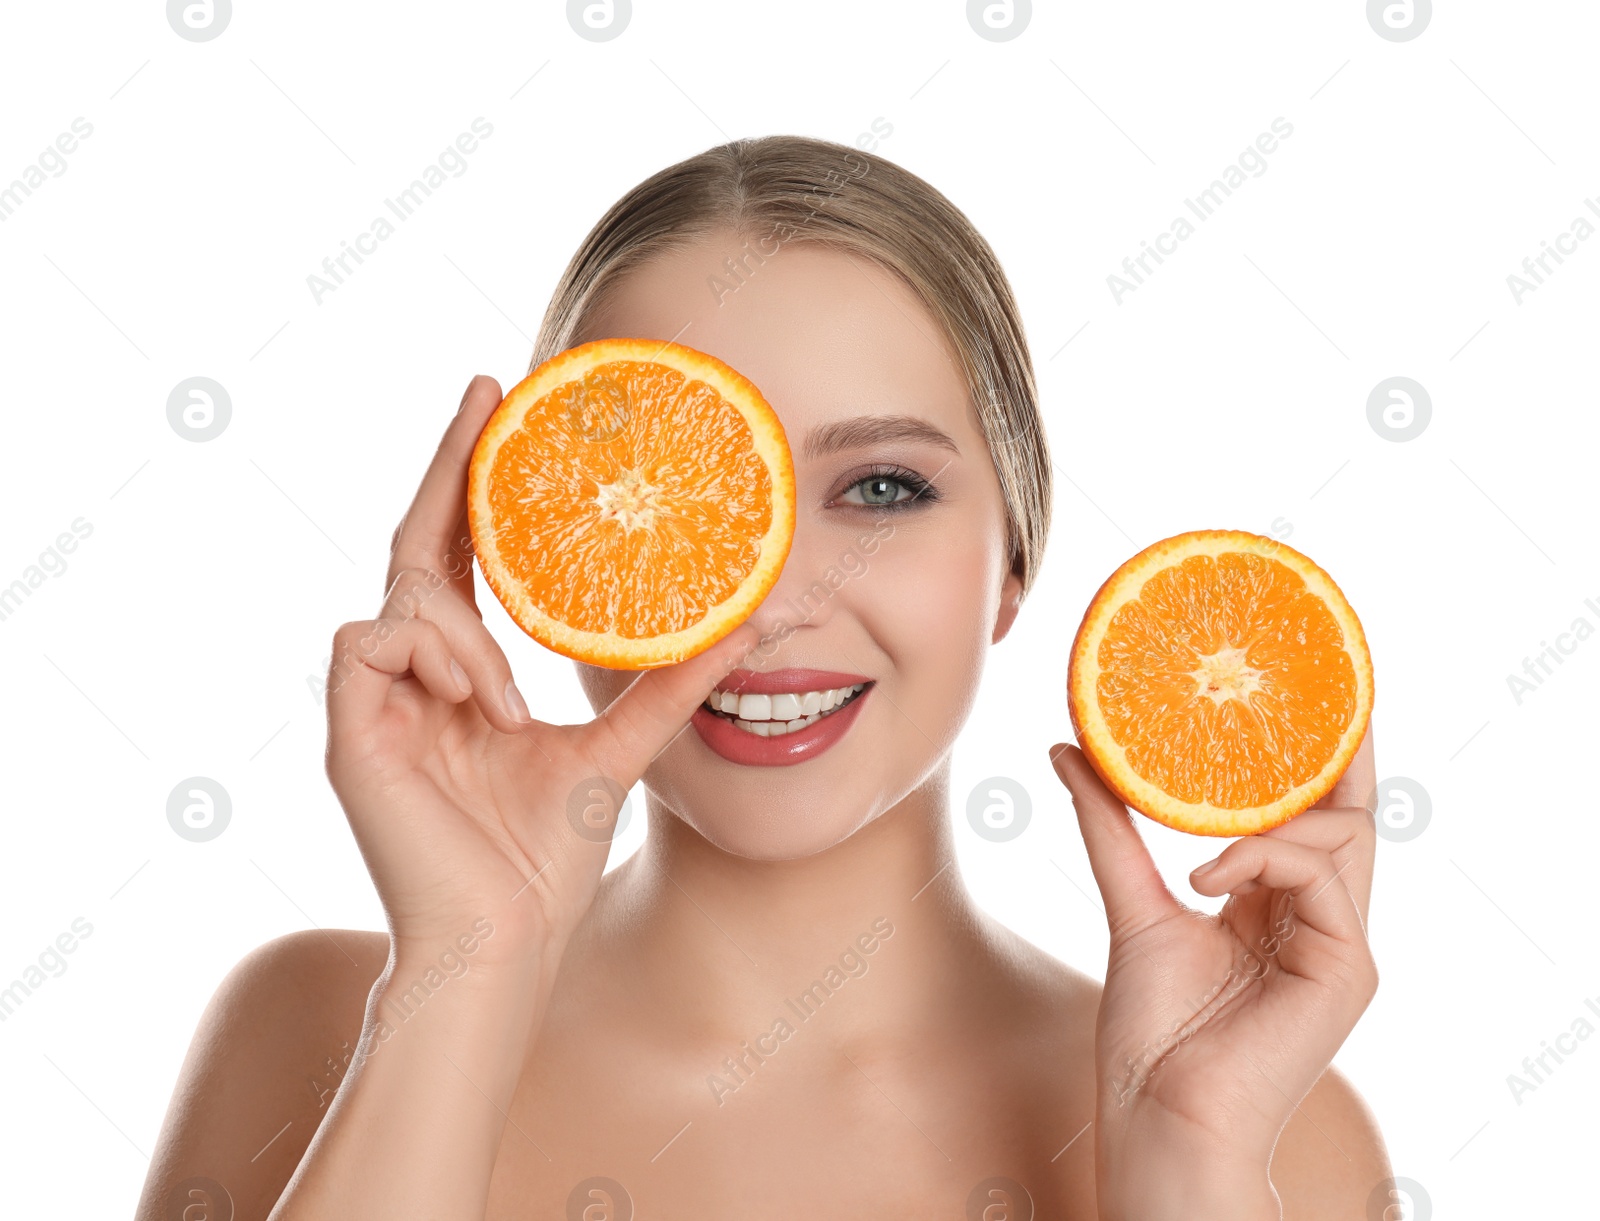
[930, 603]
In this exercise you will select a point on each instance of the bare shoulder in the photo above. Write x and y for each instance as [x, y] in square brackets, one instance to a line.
[1049, 1010]
[1330, 1157]
[267, 1056]
[1062, 992]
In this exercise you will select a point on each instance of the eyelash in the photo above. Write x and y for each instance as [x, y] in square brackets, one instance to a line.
[922, 492]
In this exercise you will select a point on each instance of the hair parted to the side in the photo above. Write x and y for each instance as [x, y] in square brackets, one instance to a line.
[774, 190]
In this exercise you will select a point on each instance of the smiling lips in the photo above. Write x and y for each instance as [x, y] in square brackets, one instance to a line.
[772, 714]
[796, 710]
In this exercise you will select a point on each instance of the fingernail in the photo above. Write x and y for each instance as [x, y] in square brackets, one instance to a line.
[460, 676]
[465, 393]
[1206, 868]
[514, 703]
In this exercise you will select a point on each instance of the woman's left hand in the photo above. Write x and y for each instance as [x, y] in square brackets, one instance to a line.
[1212, 1028]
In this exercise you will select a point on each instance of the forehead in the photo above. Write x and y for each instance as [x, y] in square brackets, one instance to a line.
[824, 334]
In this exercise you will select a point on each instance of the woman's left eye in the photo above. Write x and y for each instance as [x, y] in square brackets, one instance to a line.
[889, 491]
[879, 490]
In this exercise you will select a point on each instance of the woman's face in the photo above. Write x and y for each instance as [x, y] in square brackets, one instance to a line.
[904, 589]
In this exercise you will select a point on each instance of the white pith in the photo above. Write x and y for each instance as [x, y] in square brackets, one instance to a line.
[770, 716]
[1226, 675]
[629, 500]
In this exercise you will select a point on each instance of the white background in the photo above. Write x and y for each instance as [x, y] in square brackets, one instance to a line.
[1229, 390]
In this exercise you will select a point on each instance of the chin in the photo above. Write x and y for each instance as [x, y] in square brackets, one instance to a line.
[778, 833]
[764, 818]
[766, 813]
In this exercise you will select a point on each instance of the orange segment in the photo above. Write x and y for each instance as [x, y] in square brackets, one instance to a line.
[1220, 682]
[631, 502]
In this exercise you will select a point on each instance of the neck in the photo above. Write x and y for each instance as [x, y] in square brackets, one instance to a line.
[719, 947]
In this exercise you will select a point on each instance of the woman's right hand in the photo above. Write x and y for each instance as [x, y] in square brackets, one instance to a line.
[462, 806]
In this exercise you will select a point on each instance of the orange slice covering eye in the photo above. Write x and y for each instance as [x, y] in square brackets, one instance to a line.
[1220, 682]
[631, 502]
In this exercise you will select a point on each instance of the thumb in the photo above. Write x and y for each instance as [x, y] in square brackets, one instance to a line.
[1135, 894]
[656, 706]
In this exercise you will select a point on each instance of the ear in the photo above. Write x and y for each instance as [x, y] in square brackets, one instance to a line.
[1010, 604]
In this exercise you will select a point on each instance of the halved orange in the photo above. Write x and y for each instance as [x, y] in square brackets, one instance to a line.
[631, 502]
[1220, 682]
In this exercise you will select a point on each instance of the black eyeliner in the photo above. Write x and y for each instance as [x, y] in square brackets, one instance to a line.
[922, 490]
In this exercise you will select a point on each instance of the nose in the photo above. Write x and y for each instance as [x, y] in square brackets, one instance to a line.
[805, 592]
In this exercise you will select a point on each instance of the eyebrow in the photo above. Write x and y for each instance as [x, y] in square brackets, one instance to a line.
[862, 431]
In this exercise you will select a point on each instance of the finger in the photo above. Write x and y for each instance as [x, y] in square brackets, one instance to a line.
[1348, 836]
[1321, 899]
[416, 594]
[411, 589]
[429, 535]
[1130, 884]
[1354, 787]
[656, 706]
[370, 655]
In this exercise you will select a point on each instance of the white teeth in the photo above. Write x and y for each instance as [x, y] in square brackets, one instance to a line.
[775, 715]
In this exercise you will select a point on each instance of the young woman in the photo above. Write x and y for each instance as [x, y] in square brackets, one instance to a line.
[786, 1004]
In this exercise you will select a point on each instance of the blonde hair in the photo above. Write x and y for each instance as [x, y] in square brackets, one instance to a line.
[795, 188]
